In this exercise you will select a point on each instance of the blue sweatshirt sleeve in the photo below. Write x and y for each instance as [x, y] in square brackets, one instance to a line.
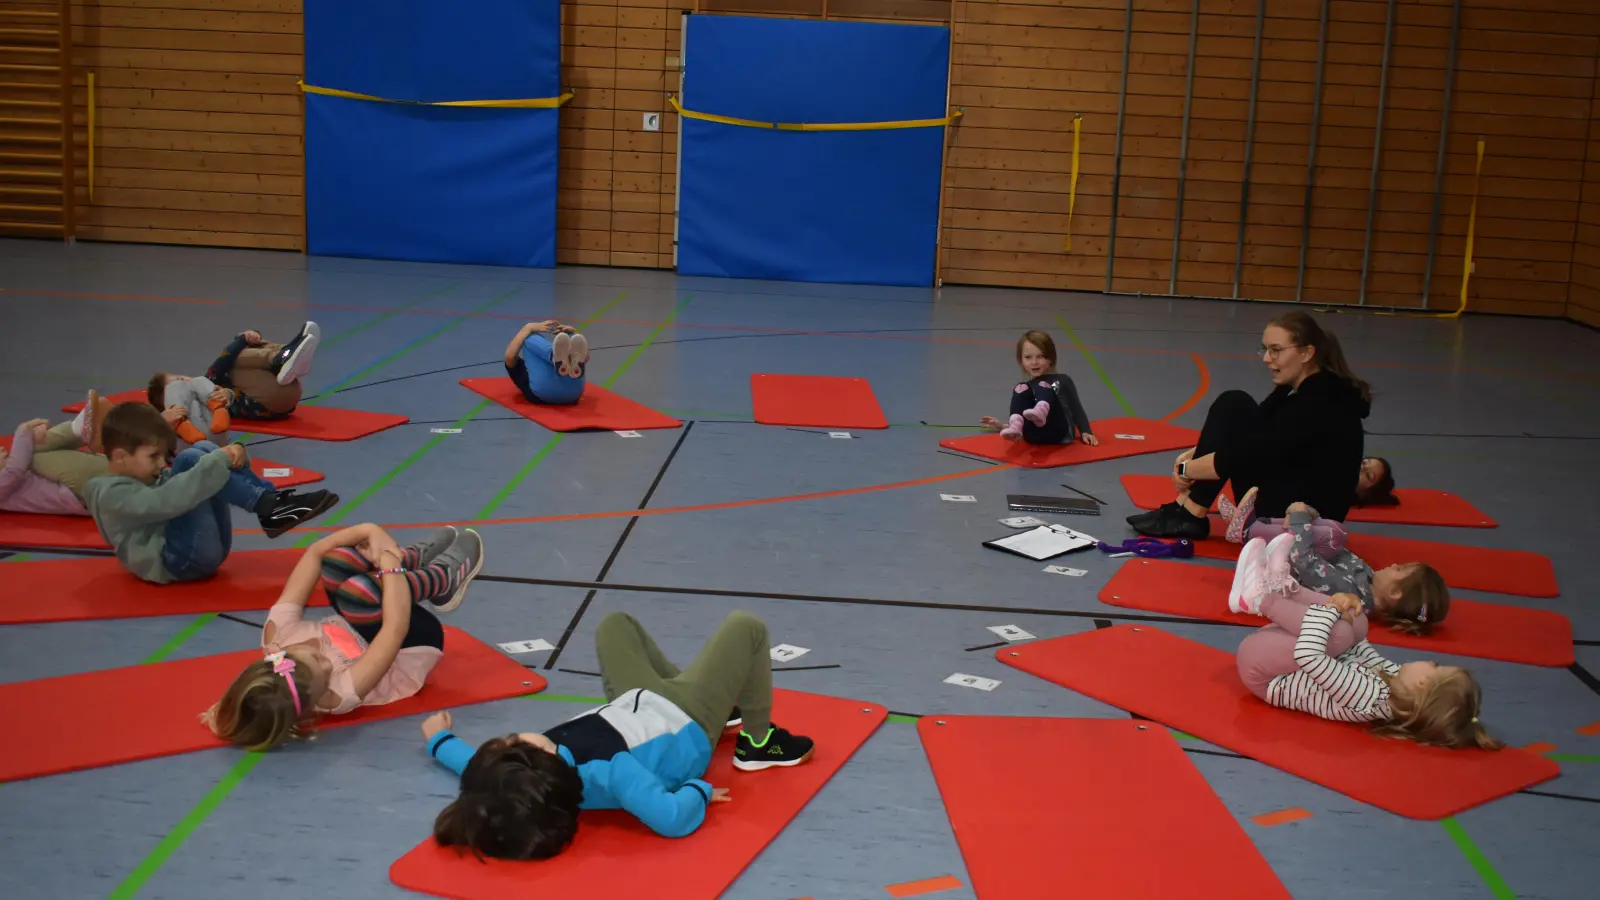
[450, 751]
[638, 790]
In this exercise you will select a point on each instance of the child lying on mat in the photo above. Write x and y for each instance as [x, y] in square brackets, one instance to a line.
[258, 380]
[1315, 658]
[1044, 408]
[378, 649]
[45, 471]
[172, 524]
[1411, 597]
[547, 361]
[644, 752]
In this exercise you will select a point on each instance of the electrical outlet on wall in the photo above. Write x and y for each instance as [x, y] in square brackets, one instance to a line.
[652, 121]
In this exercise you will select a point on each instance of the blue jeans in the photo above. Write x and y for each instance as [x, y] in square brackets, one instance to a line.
[198, 541]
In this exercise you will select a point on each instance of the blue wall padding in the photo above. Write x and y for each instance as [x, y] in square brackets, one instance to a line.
[852, 206]
[437, 184]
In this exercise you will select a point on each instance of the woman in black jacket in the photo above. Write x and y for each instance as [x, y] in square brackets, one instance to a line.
[1303, 443]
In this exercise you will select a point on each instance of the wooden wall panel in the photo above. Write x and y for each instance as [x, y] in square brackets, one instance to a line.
[1583, 293]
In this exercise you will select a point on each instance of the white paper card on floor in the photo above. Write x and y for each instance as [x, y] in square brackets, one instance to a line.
[1063, 570]
[976, 682]
[1128, 437]
[958, 498]
[1024, 522]
[277, 473]
[629, 434]
[788, 652]
[445, 430]
[1044, 542]
[532, 646]
[1011, 632]
[840, 435]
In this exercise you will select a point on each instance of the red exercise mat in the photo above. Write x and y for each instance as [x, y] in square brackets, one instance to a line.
[142, 712]
[598, 409]
[1473, 628]
[67, 590]
[315, 423]
[1196, 689]
[815, 401]
[1099, 808]
[616, 856]
[1418, 506]
[1154, 437]
[1467, 568]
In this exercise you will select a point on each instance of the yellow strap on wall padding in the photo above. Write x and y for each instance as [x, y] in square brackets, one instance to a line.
[1472, 232]
[829, 126]
[1072, 195]
[537, 103]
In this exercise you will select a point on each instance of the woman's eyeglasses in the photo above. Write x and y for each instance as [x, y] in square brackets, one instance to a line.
[1274, 351]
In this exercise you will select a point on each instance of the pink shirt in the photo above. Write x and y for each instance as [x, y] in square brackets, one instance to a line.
[25, 491]
[337, 641]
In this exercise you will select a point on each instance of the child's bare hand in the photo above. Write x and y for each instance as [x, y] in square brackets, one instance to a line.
[253, 338]
[439, 721]
[1297, 506]
[991, 423]
[1090, 439]
[720, 795]
[238, 457]
[174, 415]
[1348, 605]
[221, 395]
[40, 429]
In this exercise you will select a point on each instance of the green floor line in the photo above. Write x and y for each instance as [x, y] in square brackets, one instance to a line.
[1095, 365]
[1491, 878]
[1572, 757]
[639, 350]
[565, 698]
[600, 313]
[20, 557]
[177, 640]
[346, 335]
[186, 826]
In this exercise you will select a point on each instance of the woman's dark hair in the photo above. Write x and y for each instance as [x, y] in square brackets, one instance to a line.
[517, 802]
[1305, 332]
[1381, 493]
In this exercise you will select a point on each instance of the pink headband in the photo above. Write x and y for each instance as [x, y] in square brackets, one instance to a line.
[283, 664]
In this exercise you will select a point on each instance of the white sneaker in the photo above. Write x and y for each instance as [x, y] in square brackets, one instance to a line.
[1247, 578]
[561, 353]
[579, 355]
[1280, 576]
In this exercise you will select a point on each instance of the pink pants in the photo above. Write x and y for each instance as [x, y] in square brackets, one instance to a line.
[1269, 651]
[1327, 535]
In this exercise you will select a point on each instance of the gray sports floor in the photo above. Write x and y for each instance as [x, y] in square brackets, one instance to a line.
[1500, 410]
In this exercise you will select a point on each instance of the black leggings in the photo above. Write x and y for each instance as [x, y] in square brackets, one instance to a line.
[1057, 428]
[425, 630]
[1233, 415]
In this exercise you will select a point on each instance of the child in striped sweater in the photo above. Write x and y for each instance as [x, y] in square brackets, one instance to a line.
[1315, 658]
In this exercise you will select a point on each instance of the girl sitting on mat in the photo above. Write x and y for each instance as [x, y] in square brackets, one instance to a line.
[1411, 597]
[1315, 658]
[546, 361]
[378, 649]
[645, 751]
[1045, 407]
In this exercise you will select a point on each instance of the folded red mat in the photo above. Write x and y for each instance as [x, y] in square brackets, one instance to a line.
[1418, 506]
[1486, 630]
[1196, 689]
[616, 856]
[1102, 808]
[66, 590]
[815, 401]
[316, 423]
[598, 409]
[1138, 436]
[141, 712]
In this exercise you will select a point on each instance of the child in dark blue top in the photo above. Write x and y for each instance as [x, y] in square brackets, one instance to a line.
[1045, 408]
[546, 361]
[645, 752]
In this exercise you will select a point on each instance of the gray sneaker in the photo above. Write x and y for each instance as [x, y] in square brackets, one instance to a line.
[461, 562]
[436, 543]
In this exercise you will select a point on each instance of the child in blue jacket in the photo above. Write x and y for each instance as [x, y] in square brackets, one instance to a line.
[644, 752]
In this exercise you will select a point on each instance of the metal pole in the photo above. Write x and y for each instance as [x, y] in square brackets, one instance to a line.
[1444, 143]
[1249, 147]
[1377, 150]
[1183, 146]
[1311, 158]
[1116, 163]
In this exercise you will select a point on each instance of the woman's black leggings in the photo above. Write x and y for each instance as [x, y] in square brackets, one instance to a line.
[1233, 415]
[1057, 428]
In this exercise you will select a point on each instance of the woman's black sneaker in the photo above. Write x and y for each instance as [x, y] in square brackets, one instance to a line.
[1173, 521]
[780, 748]
[290, 510]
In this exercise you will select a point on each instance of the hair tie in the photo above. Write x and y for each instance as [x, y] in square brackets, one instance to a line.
[1422, 614]
[283, 664]
[1474, 720]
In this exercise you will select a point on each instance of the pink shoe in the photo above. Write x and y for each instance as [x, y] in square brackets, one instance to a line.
[1013, 429]
[1039, 415]
[1279, 573]
[1249, 579]
[1238, 517]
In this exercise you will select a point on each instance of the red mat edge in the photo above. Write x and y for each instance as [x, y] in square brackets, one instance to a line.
[1487, 521]
[675, 422]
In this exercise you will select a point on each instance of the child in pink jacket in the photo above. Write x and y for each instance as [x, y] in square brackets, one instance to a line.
[45, 470]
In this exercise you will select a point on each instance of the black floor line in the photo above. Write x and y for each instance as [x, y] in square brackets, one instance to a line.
[60, 551]
[239, 620]
[616, 548]
[1556, 796]
[979, 459]
[986, 646]
[805, 668]
[1585, 676]
[576, 672]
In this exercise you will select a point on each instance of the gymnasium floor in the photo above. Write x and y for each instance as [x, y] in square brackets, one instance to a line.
[1501, 410]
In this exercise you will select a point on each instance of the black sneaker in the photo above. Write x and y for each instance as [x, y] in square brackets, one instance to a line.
[779, 749]
[293, 362]
[1140, 520]
[735, 720]
[1173, 521]
[291, 510]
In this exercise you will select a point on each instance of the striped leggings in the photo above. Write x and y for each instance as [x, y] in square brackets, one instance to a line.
[356, 594]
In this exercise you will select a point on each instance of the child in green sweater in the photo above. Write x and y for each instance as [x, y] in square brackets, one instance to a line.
[172, 523]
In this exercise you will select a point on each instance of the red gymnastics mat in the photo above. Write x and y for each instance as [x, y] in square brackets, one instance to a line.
[142, 712]
[67, 590]
[315, 423]
[1141, 436]
[1418, 506]
[1196, 689]
[815, 401]
[598, 409]
[1102, 808]
[616, 856]
[1467, 568]
[1473, 628]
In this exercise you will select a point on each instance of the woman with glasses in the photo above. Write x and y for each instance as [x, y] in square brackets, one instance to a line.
[1303, 443]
